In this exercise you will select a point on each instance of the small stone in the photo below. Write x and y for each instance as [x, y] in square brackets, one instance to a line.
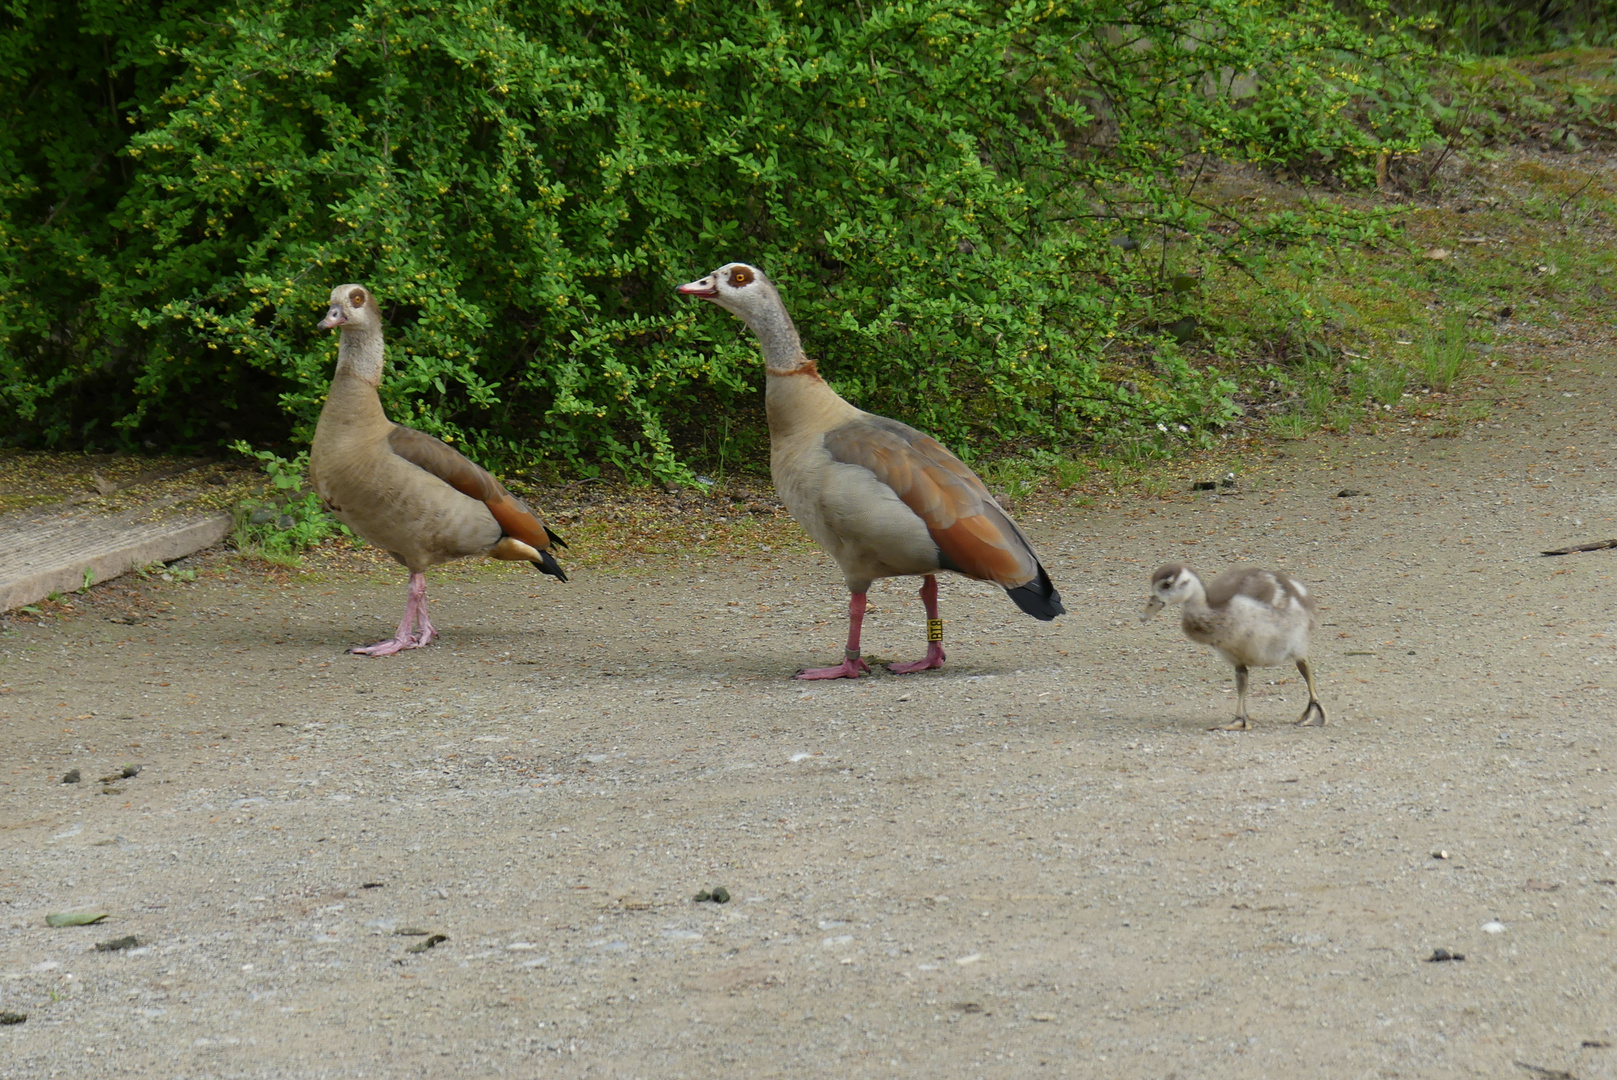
[702, 897]
[1440, 955]
[111, 789]
[17, 1017]
[284, 522]
[130, 772]
[1043, 1018]
[720, 895]
[71, 776]
[1204, 485]
[117, 944]
[1440, 854]
[410, 931]
[1349, 493]
[1493, 926]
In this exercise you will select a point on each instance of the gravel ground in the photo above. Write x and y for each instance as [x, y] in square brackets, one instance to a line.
[1036, 862]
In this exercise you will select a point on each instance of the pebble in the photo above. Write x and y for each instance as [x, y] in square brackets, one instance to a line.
[1493, 926]
[117, 944]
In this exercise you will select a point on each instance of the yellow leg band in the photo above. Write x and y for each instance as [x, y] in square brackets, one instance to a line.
[934, 630]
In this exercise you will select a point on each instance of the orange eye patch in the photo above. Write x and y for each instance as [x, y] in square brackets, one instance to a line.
[740, 276]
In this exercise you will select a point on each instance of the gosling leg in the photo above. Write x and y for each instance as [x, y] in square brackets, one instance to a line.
[1240, 723]
[1314, 715]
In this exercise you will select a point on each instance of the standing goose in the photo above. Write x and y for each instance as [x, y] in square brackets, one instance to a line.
[881, 498]
[411, 495]
[1256, 618]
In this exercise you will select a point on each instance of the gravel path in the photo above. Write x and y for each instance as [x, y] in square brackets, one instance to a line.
[1036, 862]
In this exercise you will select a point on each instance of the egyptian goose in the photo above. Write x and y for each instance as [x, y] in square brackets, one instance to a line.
[1256, 618]
[881, 498]
[410, 494]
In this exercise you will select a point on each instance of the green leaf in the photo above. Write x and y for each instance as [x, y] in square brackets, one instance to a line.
[74, 918]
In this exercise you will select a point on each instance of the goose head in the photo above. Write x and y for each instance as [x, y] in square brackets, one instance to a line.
[353, 307]
[747, 294]
[740, 289]
[1171, 584]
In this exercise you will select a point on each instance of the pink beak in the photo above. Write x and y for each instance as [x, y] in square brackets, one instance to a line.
[333, 318]
[706, 288]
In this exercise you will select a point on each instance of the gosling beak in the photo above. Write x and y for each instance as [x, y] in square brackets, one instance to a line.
[334, 318]
[706, 288]
[1152, 606]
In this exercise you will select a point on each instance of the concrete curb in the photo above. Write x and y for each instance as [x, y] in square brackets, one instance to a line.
[45, 553]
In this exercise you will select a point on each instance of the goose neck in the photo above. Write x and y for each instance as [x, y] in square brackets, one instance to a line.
[359, 354]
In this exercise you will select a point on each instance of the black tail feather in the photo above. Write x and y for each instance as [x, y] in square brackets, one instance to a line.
[554, 539]
[546, 563]
[1038, 598]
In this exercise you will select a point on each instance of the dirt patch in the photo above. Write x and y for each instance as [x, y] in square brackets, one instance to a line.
[1036, 861]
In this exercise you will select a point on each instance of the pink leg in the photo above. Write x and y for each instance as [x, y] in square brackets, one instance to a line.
[415, 611]
[934, 633]
[852, 664]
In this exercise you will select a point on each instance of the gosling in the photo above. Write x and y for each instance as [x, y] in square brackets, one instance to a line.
[1255, 618]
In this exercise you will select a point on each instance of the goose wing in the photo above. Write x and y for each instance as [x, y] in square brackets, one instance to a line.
[974, 536]
[470, 479]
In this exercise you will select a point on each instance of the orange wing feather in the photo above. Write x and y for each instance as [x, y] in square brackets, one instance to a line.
[472, 480]
[974, 535]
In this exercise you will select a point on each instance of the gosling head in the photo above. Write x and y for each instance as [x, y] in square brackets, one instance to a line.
[353, 307]
[1171, 584]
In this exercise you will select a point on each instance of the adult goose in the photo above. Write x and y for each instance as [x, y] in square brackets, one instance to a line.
[412, 495]
[1255, 618]
[881, 498]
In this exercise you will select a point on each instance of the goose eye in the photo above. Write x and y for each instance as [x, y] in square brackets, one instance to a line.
[357, 298]
[740, 277]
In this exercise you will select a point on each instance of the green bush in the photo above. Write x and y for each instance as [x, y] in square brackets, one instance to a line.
[1492, 27]
[281, 528]
[953, 196]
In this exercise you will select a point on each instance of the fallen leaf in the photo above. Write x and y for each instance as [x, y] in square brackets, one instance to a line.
[74, 918]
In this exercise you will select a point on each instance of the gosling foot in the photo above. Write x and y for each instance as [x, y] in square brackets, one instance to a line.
[1313, 716]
